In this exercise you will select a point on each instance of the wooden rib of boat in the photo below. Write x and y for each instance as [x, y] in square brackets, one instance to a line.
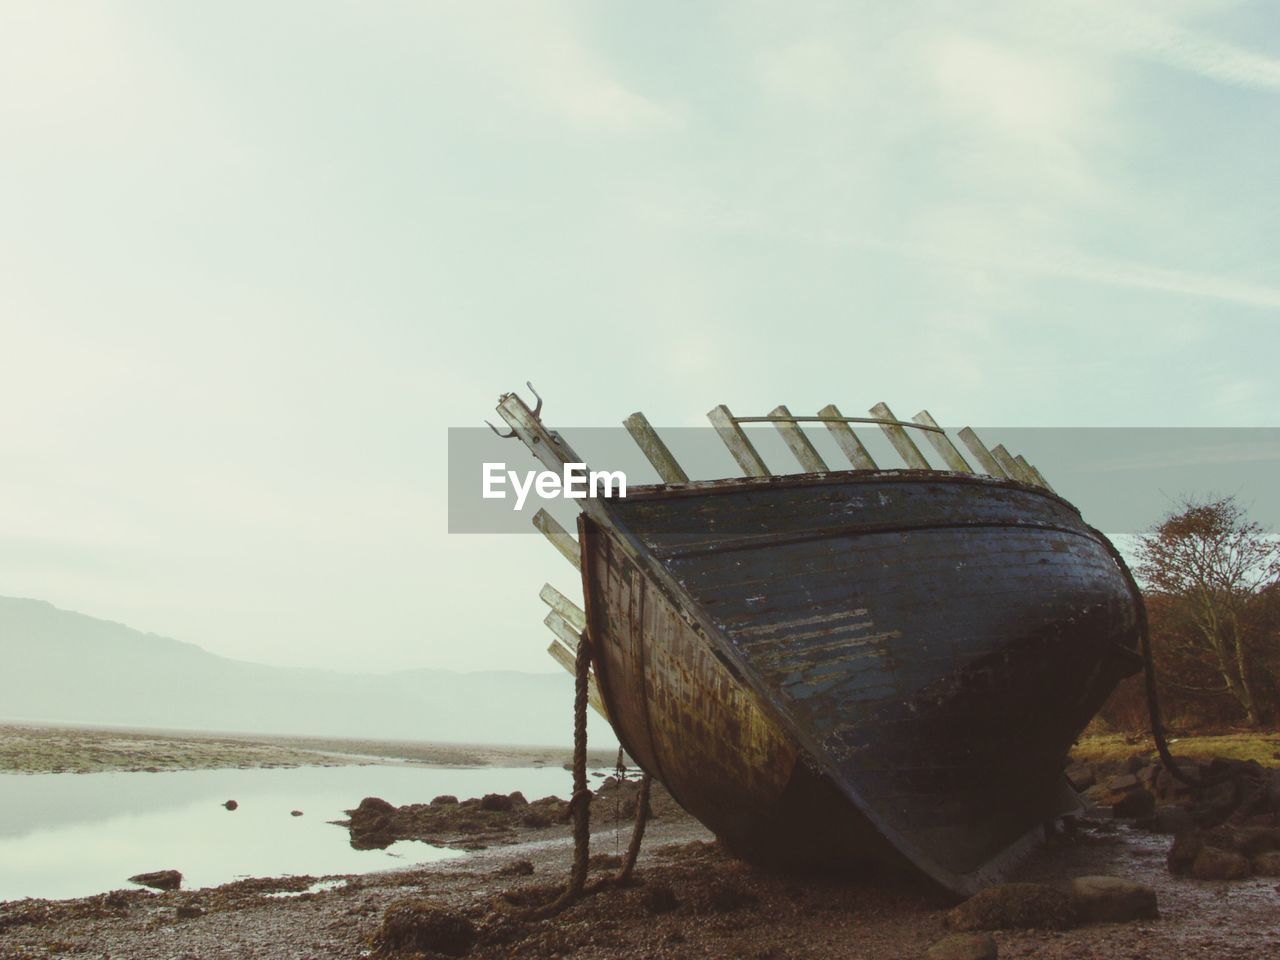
[838, 668]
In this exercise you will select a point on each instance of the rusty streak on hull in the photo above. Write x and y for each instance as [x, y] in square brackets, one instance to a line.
[867, 665]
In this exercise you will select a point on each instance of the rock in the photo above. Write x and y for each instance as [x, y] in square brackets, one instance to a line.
[1267, 864]
[1012, 906]
[1215, 864]
[158, 879]
[444, 799]
[1169, 819]
[495, 801]
[517, 799]
[658, 898]
[231, 804]
[1217, 802]
[374, 805]
[963, 946]
[370, 825]
[295, 813]
[535, 819]
[424, 926]
[1182, 854]
[1136, 804]
[1112, 900]
[517, 868]
[189, 912]
[1252, 841]
[1123, 784]
[1082, 775]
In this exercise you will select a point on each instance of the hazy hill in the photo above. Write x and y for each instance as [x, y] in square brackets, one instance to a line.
[61, 666]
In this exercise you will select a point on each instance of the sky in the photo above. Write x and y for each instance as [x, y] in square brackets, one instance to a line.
[257, 258]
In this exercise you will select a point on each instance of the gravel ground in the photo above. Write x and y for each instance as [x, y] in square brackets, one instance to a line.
[691, 901]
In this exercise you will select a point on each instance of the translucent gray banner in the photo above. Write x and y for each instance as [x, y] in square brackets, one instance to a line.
[1123, 480]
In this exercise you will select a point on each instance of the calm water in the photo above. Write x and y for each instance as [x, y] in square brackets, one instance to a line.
[70, 835]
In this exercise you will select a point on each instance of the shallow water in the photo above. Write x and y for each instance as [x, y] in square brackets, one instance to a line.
[70, 835]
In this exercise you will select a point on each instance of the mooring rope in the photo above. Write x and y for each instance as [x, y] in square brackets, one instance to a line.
[623, 876]
[1149, 677]
[580, 807]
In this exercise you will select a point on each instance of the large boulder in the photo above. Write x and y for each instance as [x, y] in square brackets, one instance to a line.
[371, 827]
[1082, 775]
[1267, 864]
[1015, 905]
[422, 926]
[1183, 852]
[1134, 804]
[1211, 863]
[158, 879]
[1112, 900]
[1170, 819]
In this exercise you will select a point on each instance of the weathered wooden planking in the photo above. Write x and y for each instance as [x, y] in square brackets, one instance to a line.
[1011, 467]
[897, 435]
[562, 605]
[768, 511]
[560, 538]
[1036, 477]
[847, 440]
[903, 652]
[735, 439]
[799, 445]
[568, 659]
[942, 443]
[655, 451]
[670, 695]
[981, 453]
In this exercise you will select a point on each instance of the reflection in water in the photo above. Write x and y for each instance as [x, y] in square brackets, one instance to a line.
[70, 835]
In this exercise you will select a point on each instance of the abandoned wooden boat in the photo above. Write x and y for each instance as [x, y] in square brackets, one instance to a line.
[834, 668]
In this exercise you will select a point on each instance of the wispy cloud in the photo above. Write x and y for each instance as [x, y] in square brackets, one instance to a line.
[1207, 56]
[1161, 33]
[540, 56]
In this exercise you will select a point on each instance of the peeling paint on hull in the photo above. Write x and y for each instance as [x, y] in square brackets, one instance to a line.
[881, 666]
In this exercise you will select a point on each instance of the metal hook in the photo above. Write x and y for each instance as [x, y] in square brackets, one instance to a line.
[538, 409]
[504, 436]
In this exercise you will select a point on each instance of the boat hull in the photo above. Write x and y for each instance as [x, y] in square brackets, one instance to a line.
[830, 670]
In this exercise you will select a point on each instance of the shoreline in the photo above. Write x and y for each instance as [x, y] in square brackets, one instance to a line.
[691, 899]
[46, 748]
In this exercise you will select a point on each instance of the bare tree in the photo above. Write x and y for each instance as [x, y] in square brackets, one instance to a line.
[1210, 564]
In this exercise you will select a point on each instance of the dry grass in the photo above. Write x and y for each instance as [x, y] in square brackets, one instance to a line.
[1261, 746]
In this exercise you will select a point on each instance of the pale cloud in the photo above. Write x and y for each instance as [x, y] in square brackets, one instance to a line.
[1157, 36]
[226, 371]
[1022, 95]
[537, 55]
[811, 70]
[1074, 265]
[1212, 58]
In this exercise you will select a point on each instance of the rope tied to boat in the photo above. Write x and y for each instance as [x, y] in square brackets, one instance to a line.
[580, 808]
[1153, 694]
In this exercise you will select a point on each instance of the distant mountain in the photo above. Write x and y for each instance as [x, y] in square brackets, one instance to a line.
[66, 667]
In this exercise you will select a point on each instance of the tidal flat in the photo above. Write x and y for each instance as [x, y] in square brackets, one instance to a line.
[58, 748]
